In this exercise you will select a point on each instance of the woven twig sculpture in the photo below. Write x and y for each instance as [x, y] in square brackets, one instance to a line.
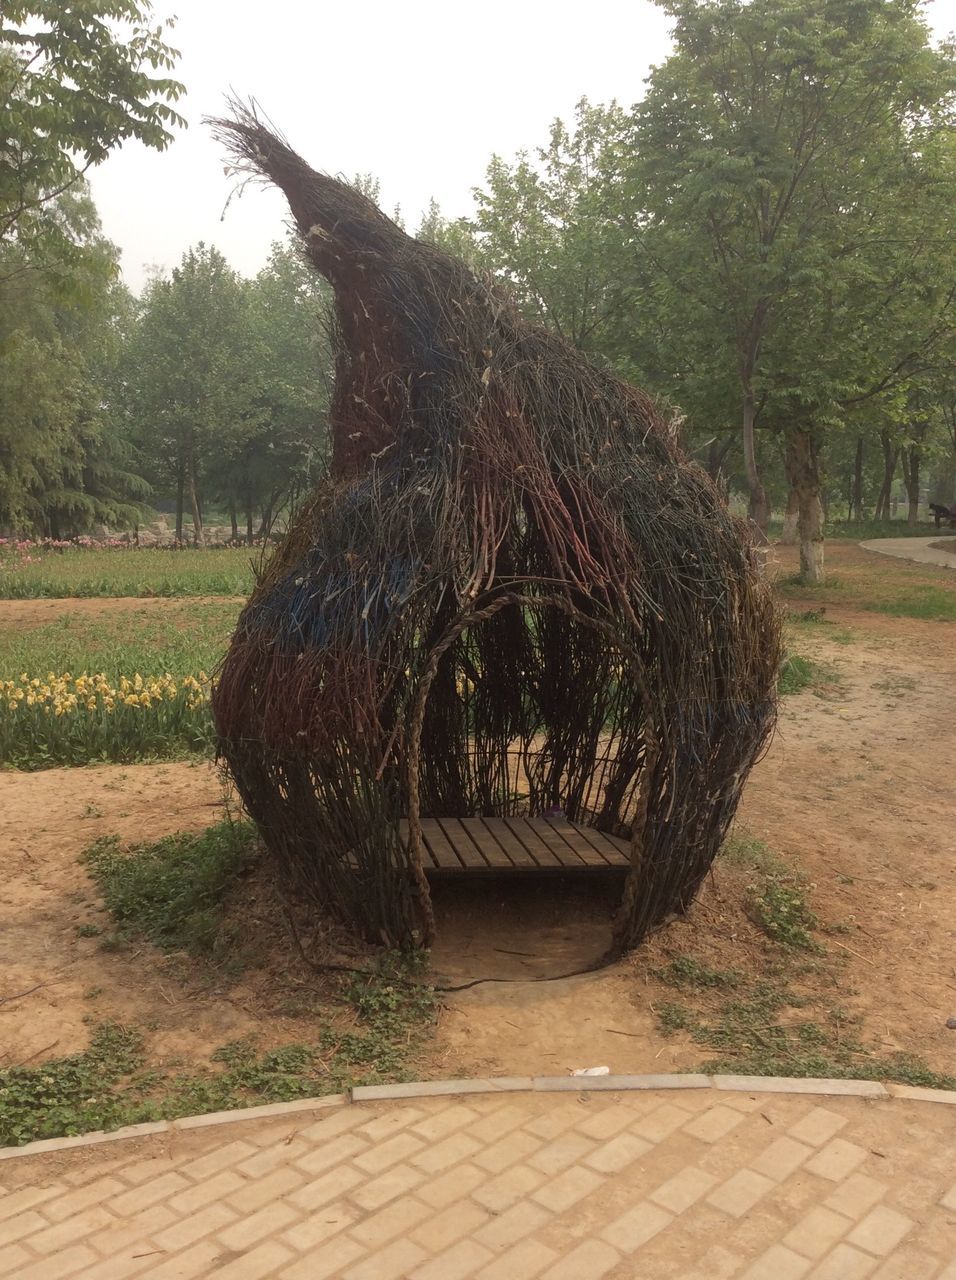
[513, 594]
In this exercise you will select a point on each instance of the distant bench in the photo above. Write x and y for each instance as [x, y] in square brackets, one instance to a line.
[940, 513]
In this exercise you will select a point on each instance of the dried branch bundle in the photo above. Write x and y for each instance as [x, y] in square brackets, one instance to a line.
[513, 594]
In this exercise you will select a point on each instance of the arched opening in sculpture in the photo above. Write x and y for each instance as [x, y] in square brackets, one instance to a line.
[514, 598]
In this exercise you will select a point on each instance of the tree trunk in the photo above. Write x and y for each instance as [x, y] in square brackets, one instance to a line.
[180, 503]
[199, 537]
[759, 503]
[234, 521]
[788, 537]
[910, 457]
[803, 472]
[891, 455]
[716, 457]
[856, 497]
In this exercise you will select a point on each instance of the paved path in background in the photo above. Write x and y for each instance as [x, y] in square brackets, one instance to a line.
[677, 1185]
[919, 549]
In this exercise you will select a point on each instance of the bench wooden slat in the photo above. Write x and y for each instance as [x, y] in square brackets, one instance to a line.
[489, 846]
[539, 841]
[462, 843]
[441, 849]
[515, 846]
[608, 848]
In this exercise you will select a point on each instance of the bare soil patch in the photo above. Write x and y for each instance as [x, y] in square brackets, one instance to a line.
[855, 791]
[946, 544]
[26, 614]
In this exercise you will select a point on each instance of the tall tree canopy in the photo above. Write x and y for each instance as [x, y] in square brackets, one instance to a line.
[75, 82]
[765, 148]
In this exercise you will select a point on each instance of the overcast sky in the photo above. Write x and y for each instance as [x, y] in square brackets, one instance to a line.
[419, 93]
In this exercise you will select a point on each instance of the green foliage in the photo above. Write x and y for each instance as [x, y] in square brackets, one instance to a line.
[171, 891]
[226, 384]
[64, 465]
[547, 226]
[90, 572]
[686, 973]
[780, 908]
[71, 1095]
[75, 83]
[788, 184]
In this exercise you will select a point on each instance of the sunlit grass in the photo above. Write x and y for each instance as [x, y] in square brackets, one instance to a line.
[128, 572]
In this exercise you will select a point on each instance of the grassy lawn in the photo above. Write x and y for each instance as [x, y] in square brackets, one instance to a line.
[858, 579]
[127, 572]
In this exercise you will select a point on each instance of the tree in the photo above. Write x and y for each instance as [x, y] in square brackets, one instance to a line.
[72, 88]
[64, 465]
[191, 377]
[771, 122]
[276, 457]
[551, 226]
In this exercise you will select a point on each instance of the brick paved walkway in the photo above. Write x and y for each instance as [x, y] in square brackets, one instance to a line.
[682, 1185]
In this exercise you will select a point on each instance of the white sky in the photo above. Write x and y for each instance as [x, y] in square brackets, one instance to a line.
[419, 93]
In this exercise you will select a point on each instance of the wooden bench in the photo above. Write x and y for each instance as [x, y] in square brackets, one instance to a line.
[940, 513]
[522, 846]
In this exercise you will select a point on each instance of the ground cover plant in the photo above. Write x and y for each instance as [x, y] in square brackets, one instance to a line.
[370, 1034]
[82, 571]
[361, 1027]
[785, 1016]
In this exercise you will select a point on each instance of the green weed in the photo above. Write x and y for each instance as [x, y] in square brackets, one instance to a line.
[923, 600]
[779, 907]
[768, 1030]
[684, 972]
[112, 1083]
[798, 673]
[171, 891]
[72, 1095]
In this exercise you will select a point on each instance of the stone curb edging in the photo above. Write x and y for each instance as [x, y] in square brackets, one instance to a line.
[496, 1084]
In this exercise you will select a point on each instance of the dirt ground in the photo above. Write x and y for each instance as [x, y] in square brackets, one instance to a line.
[36, 613]
[855, 790]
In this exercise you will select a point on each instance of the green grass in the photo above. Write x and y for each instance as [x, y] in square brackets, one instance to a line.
[783, 1019]
[181, 639]
[922, 600]
[768, 1029]
[799, 672]
[814, 622]
[132, 572]
[776, 897]
[171, 891]
[866, 530]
